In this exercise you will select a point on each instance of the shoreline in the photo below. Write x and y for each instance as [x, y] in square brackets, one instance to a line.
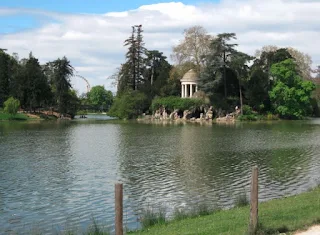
[288, 215]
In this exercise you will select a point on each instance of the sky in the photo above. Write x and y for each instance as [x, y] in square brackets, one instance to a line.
[90, 33]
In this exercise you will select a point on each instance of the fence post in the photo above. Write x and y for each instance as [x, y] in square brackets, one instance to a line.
[119, 209]
[254, 202]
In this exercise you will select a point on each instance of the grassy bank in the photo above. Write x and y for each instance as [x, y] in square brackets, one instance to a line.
[18, 116]
[275, 216]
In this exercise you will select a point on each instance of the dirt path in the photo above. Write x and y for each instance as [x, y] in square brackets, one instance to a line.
[314, 230]
[32, 115]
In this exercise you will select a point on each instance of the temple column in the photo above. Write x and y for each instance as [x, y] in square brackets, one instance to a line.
[191, 90]
[196, 88]
[182, 90]
[185, 91]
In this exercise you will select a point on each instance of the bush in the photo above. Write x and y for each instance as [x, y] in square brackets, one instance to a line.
[129, 105]
[152, 217]
[11, 106]
[173, 102]
[249, 117]
[241, 200]
[247, 110]
[271, 116]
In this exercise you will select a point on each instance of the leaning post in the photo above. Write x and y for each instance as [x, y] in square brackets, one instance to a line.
[254, 202]
[119, 209]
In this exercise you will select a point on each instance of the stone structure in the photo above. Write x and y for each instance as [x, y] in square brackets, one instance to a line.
[189, 84]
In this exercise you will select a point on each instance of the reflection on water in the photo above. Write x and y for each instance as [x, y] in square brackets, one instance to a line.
[56, 175]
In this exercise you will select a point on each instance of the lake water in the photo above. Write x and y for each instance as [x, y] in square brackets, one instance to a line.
[59, 175]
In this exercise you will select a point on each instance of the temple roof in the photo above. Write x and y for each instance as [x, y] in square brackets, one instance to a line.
[190, 76]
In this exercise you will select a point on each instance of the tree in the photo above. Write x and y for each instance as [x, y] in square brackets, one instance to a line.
[11, 106]
[140, 50]
[100, 97]
[239, 63]
[193, 48]
[133, 68]
[303, 60]
[156, 73]
[290, 95]
[318, 73]
[218, 79]
[131, 75]
[257, 89]
[129, 105]
[62, 71]
[35, 89]
[4, 76]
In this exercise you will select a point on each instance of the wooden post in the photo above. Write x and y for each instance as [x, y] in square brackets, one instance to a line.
[254, 202]
[119, 209]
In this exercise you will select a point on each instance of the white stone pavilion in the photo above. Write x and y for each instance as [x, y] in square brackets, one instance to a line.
[189, 84]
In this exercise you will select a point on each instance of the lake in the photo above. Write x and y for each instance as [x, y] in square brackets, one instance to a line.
[57, 175]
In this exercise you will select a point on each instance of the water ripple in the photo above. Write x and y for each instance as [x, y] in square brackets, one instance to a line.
[54, 177]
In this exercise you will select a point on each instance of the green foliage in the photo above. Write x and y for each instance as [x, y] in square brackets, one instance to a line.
[129, 105]
[11, 106]
[271, 117]
[73, 103]
[152, 217]
[4, 76]
[256, 89]
[225, 72]
[35, 90]
[249, 117]
[62, 71]
[172, 102]
[100, 97]
[290, 95]
[247, 110]
[241, 200]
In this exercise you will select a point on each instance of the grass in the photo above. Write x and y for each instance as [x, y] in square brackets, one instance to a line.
[151, 217]
[275, 216]
[241, 200]
[18, 116]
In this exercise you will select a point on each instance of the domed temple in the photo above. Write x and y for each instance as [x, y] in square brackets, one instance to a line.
[189, 84]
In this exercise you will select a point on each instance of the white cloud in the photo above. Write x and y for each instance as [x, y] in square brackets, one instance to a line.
[94, 42]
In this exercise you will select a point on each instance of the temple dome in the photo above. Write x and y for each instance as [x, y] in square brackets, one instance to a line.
[190, 76]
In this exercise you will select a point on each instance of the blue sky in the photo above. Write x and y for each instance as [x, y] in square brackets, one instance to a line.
[19, 22]
[87, 6]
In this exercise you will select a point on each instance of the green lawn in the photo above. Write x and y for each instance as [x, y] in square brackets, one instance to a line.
[280, 215]
[18, 116]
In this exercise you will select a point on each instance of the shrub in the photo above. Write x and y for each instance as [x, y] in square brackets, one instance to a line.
[250, 117]
[271, 116]
[151, 217]
[247, 110]
[241, 200]
[173, 102]
[129, 105]
[11, 106]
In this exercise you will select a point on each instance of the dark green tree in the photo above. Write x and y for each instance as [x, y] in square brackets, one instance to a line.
[4, 76]
[156, 73]
[36, 91]
[140, 53]
[218, 79]
[239, 63]
[62, 72]
[129, 78]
